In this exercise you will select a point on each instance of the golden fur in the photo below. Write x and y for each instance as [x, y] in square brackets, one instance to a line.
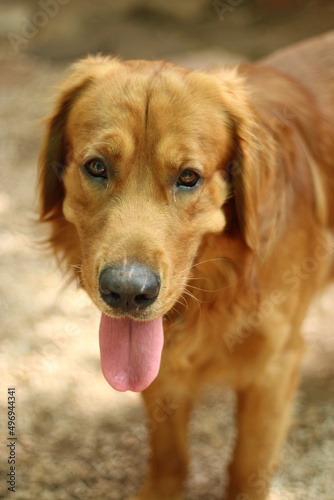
[240, 256]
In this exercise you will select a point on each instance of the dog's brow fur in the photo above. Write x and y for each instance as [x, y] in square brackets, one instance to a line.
[157, 73]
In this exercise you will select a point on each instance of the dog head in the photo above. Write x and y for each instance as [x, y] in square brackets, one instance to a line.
[140, 161]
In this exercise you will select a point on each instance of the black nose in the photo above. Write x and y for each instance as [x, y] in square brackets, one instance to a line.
[129, 287]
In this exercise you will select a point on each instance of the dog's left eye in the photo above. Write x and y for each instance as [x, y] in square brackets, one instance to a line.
[96, 168]
[188, 179]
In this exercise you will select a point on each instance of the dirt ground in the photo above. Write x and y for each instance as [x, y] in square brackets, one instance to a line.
[76, 437]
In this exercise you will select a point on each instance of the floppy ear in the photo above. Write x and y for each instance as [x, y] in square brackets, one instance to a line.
[251, 167]
[52, 158]
[246, 182]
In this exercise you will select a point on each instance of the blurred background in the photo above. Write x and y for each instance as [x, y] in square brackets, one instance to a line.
[76, 437]
[62, 30]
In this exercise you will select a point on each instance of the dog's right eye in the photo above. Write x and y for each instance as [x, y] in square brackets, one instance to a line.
[95, 168]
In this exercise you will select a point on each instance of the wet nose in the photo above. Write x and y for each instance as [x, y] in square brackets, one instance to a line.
[129, 287]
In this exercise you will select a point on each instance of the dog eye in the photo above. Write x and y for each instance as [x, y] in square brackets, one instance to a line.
[188, 179]
[95, 168]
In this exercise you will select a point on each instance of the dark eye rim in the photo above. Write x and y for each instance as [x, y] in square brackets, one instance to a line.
[102, 175]
[189, 185]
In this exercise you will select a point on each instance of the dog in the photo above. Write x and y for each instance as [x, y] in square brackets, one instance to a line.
[196, 208]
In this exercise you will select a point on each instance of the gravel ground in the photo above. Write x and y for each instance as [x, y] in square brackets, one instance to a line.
[76, 437]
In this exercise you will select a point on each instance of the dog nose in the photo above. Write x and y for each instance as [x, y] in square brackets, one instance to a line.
[129, 287]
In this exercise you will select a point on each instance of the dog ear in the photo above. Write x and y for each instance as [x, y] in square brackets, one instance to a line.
[244, 178]
[251, 166]
[52, 157]
[53, 152]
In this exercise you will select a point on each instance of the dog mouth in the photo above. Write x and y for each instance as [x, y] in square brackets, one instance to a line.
[131, 328]
[130, 351]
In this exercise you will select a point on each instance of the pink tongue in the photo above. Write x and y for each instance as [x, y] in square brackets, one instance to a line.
[130, 352]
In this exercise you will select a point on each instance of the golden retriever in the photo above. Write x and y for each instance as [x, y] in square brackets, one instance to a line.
[196, 208]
